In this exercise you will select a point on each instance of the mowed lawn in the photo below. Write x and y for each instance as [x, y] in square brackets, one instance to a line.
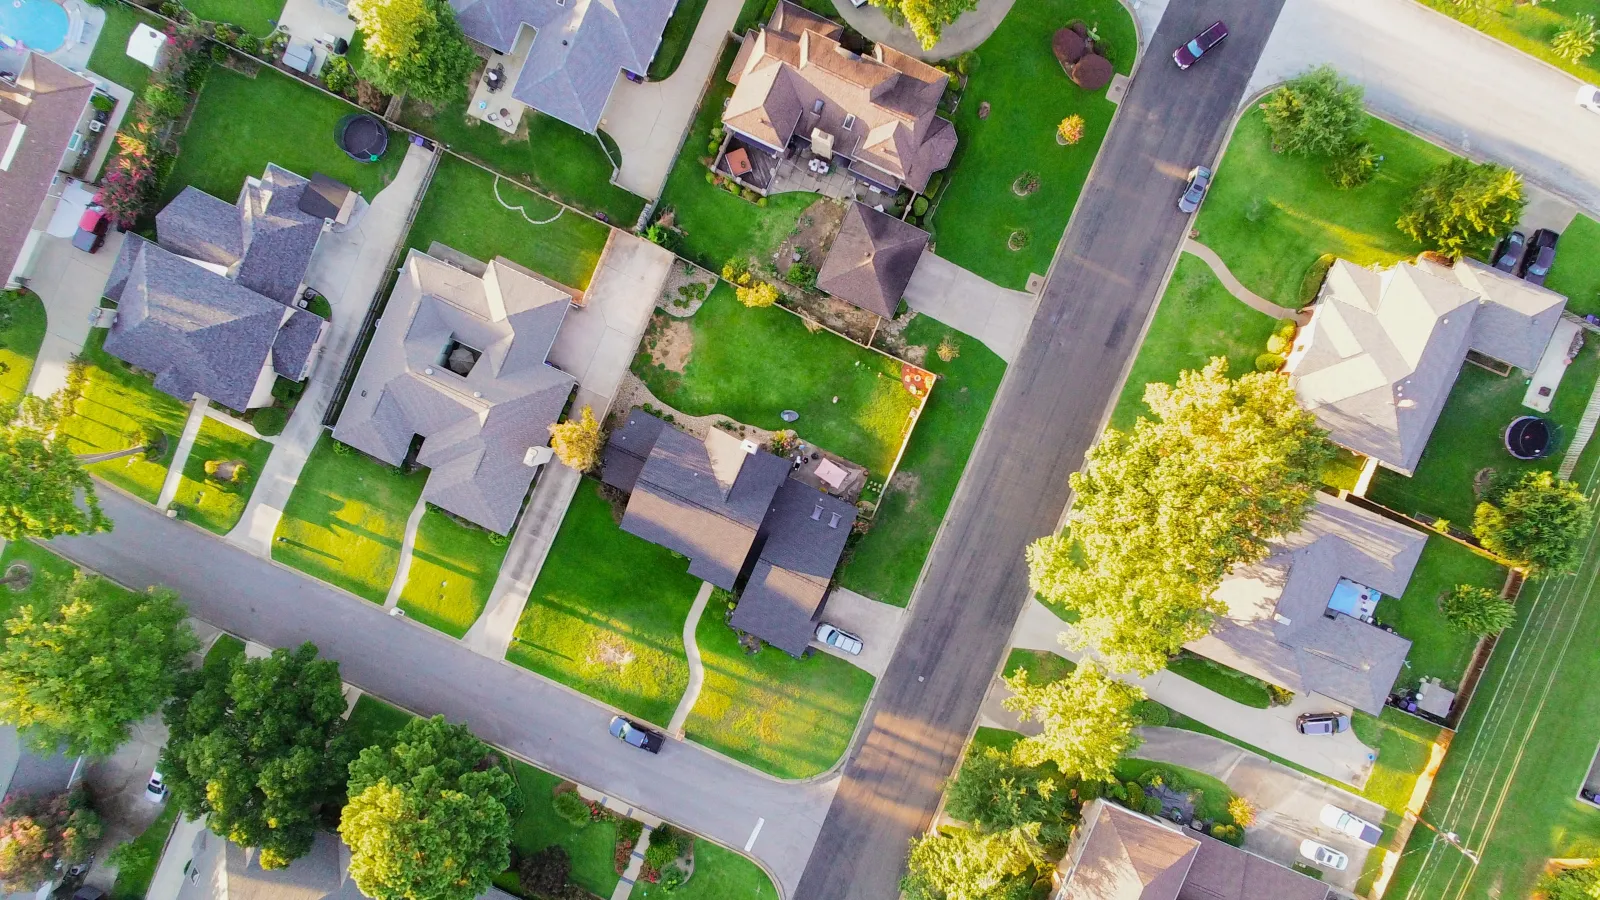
[346, 518]
[1270, 215]
[752, 364]
[110, 57]
[1576, 272]
[212, 504]
[112, 413]
[461, 211]
[886, 562]
[258, 17]
[1437, 649]
[719, 874]
[606, 614]
[788, 717]
[1028, 95]
[45, 565]
[453, 568]
[22, 327]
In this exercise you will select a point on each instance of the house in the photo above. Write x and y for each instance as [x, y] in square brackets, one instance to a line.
[801, 540]
[1302, 617]
[1376, 362]
[44, 114]
[798, 89]
[568, 54]
[456, 379]
[212, 306]
[871, 260]
[1118, 854]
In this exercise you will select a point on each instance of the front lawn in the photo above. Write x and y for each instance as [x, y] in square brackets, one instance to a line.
[1218, 678]
[110, 57]
[461, 210]
[1043, 666]
[133, 880]
[346, 519]
[788, 717]
[1576, 272]
[258, 17]
[113, 412]
[1437, 649]
[752, 364]
[1528, 27]
[374, 723]
[606, 615]
[884, 564]
[46, 566]
[1404, 744]
[675, 39]
[216, 505]
[719, 874]
[1028, 96]
[22, 326]
[453, 568]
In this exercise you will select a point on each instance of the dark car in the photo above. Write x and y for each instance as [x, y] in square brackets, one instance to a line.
[89, 892]
[1322, 723]
[635, 735]
[92, 226]
[1195, 190]
[1186, 55]
[1508, 253]
[1540, 257]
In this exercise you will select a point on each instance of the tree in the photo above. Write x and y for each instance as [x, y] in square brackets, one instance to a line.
[1537, 522]
[578, 442]
[1580, 883]
[1476, 610]
[1576, 40]
[1242, 811]
[414, 47]
[429, 818]
[995, 793]
[258, 747]
[1316, 113]
[1354, 166]
[544, 874]
[87, 660]
[926, 18]
[1461, 208]
[1087, 717]
[40, 477]
[957, 864]
[758, 295]
[37, 833]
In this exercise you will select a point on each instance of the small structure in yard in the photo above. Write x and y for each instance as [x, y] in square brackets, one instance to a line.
[871, 260]
[362, 136]
[1529, 437]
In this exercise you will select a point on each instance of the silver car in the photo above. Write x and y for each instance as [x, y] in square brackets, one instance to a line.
[830, 636]
[1195, 190]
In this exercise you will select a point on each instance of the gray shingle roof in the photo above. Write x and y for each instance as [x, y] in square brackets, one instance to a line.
[323, 197]
[291, 352]
[871, 260]
[801, 540]
[200, 226]
[279, 238]
[1516, 319]
[1224, 872]
[45, 105]
[628, 448]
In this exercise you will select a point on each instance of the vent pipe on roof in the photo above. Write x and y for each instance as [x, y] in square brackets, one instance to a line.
[834, 521]
[816, 514]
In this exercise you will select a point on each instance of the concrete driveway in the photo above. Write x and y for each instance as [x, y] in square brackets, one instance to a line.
[70, 283]
[997, 316]
[877, 624]
[117, 783]
[597, 341]
[965, 33]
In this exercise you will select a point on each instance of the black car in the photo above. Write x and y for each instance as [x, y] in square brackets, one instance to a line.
[1186, 55]
[1540, 257]
[635, 735]
[1195, 190]
[1322, 723]
[1508, 253]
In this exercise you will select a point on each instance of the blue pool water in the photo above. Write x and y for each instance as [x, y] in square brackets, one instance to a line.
[1353, 599]
[35, 24]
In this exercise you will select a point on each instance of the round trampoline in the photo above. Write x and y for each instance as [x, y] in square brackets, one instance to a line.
[1528, 437]
[362, 137]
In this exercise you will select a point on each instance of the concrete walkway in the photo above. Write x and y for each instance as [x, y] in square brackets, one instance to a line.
[69, 282]
[997, 316]
[648, 120]
[408, 545]
[630, 875]
[180, 456]
[697, 670]
[964, 34]
[1220, 269]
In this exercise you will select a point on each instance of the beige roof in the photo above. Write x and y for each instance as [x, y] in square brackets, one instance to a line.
[38, 114]
[1117, 854]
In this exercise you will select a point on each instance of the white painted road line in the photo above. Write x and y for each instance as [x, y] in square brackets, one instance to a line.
[752, 842]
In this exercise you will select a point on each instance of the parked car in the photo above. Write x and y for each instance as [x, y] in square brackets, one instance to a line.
[839, 640]
[635, 735]
[1195, 190]
[89, 892]
[1540, 257]
[1508, 253]
[155, 790]
[1322, 723]
[1589, 97]
[1186, 55]
[92, 227]
[1323, 855]
[1351, 825]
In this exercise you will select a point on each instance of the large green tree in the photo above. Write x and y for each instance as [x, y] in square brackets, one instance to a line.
[258, 747]
[1317, 113]
[995, 792]
[1476, 610]
[1088, 721]
[414, 47]
[1537, 521]
[87, 660]
[40, 478]
[39, 832]
[1579, 883]
[926, 18]
[957, 864]
[430, 817]
[1462, 208]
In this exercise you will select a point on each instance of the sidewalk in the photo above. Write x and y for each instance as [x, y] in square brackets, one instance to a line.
[697, 670]
[1243, 294]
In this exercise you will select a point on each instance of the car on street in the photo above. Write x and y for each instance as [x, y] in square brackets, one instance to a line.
[155, 790]
[1195, 190]
[1186, 55]
[831, 636]
[1323, 855]
[92, 227]
[1351, 825]
[1508, 253]
[1322, 723]
[635, 735]
[1589, 97]
[1540, 257]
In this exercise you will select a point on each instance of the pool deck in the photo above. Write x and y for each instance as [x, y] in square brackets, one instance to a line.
[84, 23]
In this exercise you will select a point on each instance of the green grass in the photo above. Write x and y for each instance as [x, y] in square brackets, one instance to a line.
[1196, 320]
[224, 650]
[1344, 471]
[1029, 95]
[133, 881]
[675, 39]
[719, 874]
[374, 723]
[1529, 28]
[1576, 272]
[346, 518]
[214, 505]
[231, 138]
[1437, 649]
[45, 564]
[1214, 676]
[460, 210]
[1043, 666]
[22, 326]
[751, 364]
[115, 406]
[1299, 215]
[590, 847]
[110, 57]
[886, 562]
[1404, 744]
[1214, 793]
[606, 615]
[453, 568]
[258, 17]
[788, 717]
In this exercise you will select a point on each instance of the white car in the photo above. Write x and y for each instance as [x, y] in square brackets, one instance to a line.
[1323, 855]
[1589, 97]
[1351, 825]
[155, 790]
[839, 640]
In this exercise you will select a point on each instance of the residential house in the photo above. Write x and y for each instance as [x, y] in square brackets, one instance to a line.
[871, 260]
[456, 379]
[44, 118]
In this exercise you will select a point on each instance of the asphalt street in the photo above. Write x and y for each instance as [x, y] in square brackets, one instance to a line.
[1098, 297]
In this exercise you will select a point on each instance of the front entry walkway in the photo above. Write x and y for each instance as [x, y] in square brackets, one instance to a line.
[994, 315]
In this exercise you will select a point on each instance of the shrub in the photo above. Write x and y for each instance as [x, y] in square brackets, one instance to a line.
[270, 420]
[337, 75]
[711, 177]
[1354, 166]
[1242, 811]
[1152, 806]
[758, 295]
[919, 206]
[934, 183]
[1476, 610]
[1268, 362]
[1071, 129]
[1576, 40]
[1135, 795]
[1227, 833]
[544, 874]
[663, 849]
[212, 465]
[571, 807]
[1151, 713]
[1461, 208]
[1315, 114]
[802, 275]
[671, 878]
[736, 271]
[249, 43]
[219, 53]
[1277, 344]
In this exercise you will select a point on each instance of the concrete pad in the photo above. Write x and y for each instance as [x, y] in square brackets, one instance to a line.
[117, 783]
[69, 282]
[877, 624]
[597, 341]
[1552, 365]
[1544, 210]
[994, 315]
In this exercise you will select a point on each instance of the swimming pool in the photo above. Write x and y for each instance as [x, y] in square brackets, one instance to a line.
[36, 24]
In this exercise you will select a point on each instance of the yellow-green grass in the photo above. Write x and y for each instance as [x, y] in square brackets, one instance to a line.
[116, 406]
[453, 567]
[346, 519]
[461, 211]
[215, 505]
[133, 878]
[719, 874]
[1345, 470]
[258, 17]
[606, 614]
[1404, 744]
[1229, 682]
[788, 717]
[22, 325]
[1529, 27]
[1437, 649]
[110, 58]
[46, 567]
[1043, 666]
[1576, 272]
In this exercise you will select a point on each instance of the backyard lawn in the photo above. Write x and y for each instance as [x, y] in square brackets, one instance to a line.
[719, 874]
[258, 17]
[788, 717]
[1576, 272]
[752, 364]
[1527, 27]
[110, 57]
[212, 504]
[346, 519]
[461, 211]
[453, 568]
[1404, 744]
[606, 615]
[112, 413]
[884, 564]
[1437, 649]
[1214, 676]
[675, 39]
[1029, 95]
[22, 325]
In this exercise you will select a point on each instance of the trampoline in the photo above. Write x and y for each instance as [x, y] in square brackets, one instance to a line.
[362, 137]
[1528, 437]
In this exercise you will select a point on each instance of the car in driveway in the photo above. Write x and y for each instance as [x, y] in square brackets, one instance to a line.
[635, 735]
[831, 636]
[1589, 97]
[1508, 253]
[92, 228]
[1186, 55]
[1350, 825]
[155, 790]
[1540, 257]
[1195, 190]
[1322, 723]
[1323, 855]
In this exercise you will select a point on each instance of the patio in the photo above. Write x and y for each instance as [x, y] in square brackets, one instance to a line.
[491, 95]
[315, 27]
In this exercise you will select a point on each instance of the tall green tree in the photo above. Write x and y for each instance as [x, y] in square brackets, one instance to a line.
[39, 832]
[1537, 521]
[926, 18]
[258, 747]
[1461, 208]
[1317, 113]
[414, 47]
[1088, 721]
[957, 864]
[430, 817]
[994, 792]
[40, 478]
[1578, 883]
[87, 660]
[1476, 610]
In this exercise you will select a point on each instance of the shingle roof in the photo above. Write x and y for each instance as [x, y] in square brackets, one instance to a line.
[1120, 855]
[40, 111]
[200, 226]
[291, 352]
[1516, 319]
[324, 197]
[871, 260]
[279, 238]
[628, 448]
[1224, 872]
[801, 540]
